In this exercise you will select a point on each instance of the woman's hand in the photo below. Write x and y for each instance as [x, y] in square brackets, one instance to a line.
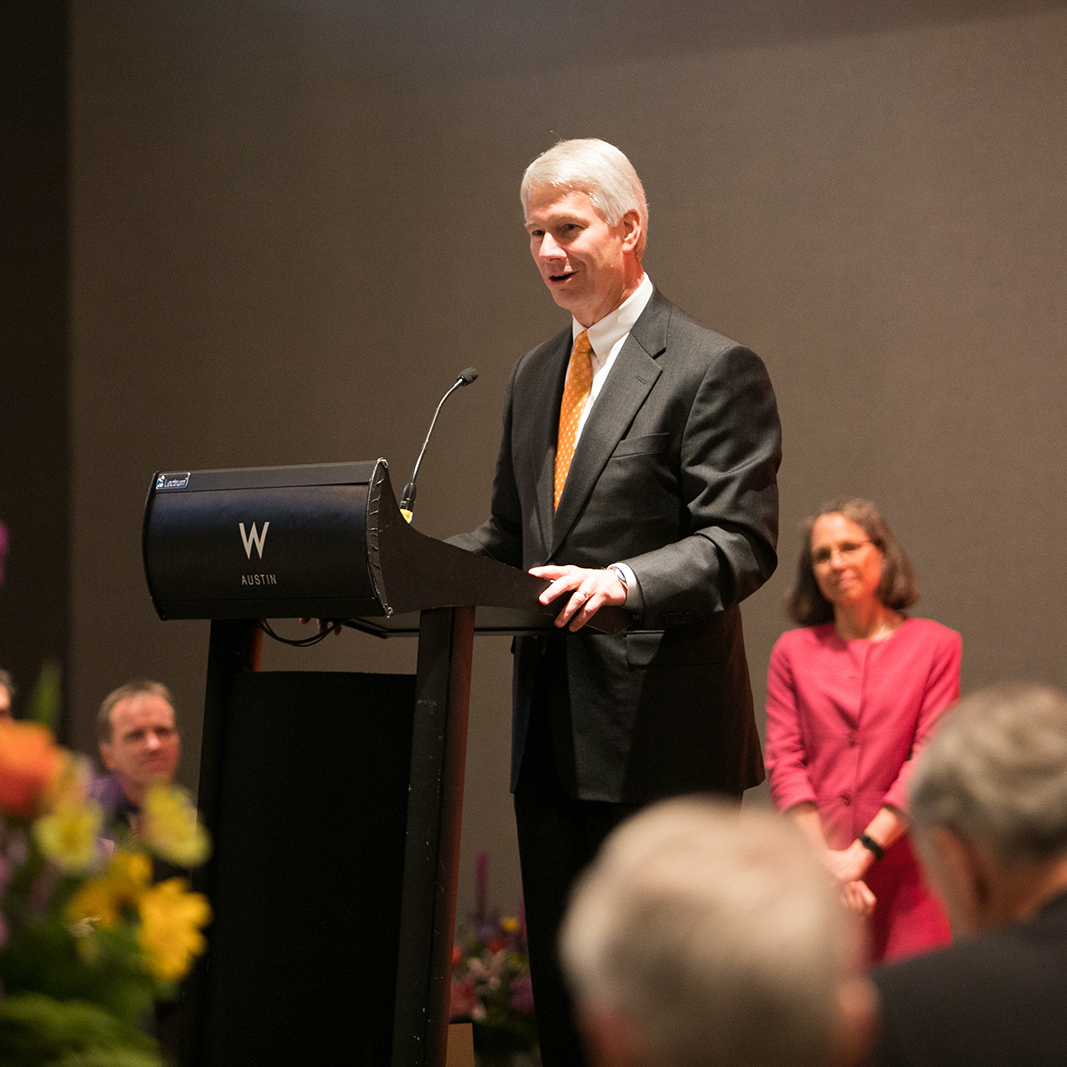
[858, 897]
[849, 864]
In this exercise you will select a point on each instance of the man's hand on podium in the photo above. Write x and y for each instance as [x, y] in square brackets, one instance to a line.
[590, 591]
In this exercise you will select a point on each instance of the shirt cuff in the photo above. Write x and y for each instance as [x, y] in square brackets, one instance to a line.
[634, 599]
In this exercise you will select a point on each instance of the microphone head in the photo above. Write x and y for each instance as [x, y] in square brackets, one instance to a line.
[467, 376]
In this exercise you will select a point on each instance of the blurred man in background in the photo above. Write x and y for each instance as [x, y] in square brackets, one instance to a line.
[7, 694]
[139, 744]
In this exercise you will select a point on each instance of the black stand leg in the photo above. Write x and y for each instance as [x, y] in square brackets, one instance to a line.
[335, 802]
[431, 861]
[234, 649]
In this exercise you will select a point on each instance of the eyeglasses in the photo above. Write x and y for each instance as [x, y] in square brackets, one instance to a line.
[847, 550]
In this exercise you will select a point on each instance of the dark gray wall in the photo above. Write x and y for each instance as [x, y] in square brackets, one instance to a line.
[295, 222]
[34, 439]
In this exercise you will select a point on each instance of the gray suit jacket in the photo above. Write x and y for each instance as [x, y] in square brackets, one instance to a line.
[674, 474]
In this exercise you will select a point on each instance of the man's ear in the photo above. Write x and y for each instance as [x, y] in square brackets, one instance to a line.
[632, 227]
[609, 1038]
[105, 755]
[961, 876]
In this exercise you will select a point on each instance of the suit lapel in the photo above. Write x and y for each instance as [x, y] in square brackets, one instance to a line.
[631, 377]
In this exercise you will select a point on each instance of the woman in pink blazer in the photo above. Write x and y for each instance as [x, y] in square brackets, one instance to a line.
[852, 697]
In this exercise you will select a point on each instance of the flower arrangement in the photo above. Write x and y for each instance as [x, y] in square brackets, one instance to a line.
[87, 941]
[491, 978]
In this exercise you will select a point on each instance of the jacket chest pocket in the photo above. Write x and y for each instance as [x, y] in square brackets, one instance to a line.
[639, 488]
[652, 444]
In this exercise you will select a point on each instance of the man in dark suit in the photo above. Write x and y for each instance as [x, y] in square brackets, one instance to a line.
[989, 813]
[637, 469]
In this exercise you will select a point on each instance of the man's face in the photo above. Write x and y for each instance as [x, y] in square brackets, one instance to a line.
[144, 746]
[588, 266]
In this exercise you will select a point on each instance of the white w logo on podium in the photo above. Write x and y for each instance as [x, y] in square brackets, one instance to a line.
[254, 537]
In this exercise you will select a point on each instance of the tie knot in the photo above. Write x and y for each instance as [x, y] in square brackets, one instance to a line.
[582, 345]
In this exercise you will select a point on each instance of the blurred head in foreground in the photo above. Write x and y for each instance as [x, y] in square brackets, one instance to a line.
[708, 936]
[988, 804]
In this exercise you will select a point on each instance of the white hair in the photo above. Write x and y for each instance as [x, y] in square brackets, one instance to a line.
[995, 772]
[597, 169]
[716, 934]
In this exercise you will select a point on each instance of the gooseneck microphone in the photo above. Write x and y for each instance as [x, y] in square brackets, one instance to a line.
[407, 498]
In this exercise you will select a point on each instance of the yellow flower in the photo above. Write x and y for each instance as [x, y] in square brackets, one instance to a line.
[169, 825]
[69, 834]
[171, 921]
[509, 925]
[106, 899]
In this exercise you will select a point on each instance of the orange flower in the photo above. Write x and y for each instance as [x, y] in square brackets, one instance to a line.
[30, 761]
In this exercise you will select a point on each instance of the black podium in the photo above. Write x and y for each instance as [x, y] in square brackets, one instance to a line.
[333, 798]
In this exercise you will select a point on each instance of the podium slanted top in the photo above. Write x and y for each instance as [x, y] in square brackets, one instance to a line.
[323, 541]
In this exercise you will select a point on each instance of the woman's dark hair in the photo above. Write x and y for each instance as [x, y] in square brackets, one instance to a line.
[806, 605]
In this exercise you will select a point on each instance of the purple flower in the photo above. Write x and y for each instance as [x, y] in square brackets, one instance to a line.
[5, 867]
[41, 889]
[522, 994]
[486, 927]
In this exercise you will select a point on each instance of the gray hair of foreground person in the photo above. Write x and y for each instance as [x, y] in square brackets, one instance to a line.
[708, 936]
[993, 779]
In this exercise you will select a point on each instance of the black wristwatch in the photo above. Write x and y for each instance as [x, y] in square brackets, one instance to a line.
[872, 846]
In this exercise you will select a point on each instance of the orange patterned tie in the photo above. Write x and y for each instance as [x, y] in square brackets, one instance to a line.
[575, 394]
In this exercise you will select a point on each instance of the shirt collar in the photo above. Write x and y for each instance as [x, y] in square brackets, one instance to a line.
[605, 334]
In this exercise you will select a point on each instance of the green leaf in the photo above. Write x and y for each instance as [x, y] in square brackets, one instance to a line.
[44, 958]
[44, 700]
[40, 1031]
